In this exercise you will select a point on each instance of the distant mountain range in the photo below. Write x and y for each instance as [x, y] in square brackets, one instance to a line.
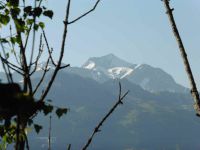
[148, 77]
[102, 69]
[157, 113]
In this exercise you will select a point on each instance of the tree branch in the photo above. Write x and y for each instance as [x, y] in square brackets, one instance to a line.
[48, 48]
[43, 76]
[61, 52]
[85, 14]
[97, 128]
[40, 51]
[188, 70]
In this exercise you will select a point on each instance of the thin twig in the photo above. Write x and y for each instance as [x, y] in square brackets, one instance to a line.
[11, 64]
[27, 143]
[69, 147]
[18, 132]
[43, 76]
[49, 141]
[14, 52]
[97, 128]
[188, 70]
[6, 66]
[86, 13]
[33, 38]
[40, 51]
[65, 66]
[48, 48]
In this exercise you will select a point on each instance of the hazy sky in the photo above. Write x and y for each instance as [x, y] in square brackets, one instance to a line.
[138, 31]
[135, 30]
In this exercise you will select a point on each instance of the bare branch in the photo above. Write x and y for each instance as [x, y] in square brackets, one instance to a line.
[49, 141]
[97, 128]
[11, 64]
[69, 147]
[27, 37]
[33, 38]
[43, 76]
[49, 50]
[61, 52]
[6, 66]
[188, 70]
[14, 47]
[65, 66]
[11, 67]
[85, 14]
[40, 51]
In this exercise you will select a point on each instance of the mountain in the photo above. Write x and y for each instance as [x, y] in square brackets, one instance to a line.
[146, 121]
[104, 68]
[105, 62]
[154, 79]
[148, 77]
[149, 119]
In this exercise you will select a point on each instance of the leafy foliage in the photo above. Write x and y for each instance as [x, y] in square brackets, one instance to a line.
[18, 103]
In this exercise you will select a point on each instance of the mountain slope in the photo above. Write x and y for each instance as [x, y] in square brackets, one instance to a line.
[145, 121]
[154, 79]
[148, 77]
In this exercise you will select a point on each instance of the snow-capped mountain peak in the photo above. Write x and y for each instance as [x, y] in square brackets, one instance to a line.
[105, 62]
[148, 77]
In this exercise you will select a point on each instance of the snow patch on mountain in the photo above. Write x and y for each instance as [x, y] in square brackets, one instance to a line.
[119, 72]
[139, 66]
[41, 66]
[90, 65]
[106, 62]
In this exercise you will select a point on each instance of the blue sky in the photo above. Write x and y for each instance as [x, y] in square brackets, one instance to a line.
[138, 31]
[135, 30]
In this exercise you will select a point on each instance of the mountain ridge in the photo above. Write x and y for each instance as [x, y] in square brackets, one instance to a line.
[149, 78]
[104, 68]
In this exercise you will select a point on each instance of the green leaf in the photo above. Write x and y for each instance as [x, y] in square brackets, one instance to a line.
[13, 2]
[4, 19]
[28, 9]
[36, 26]
[20, 24]
[7, 11]
[2, 7]
[37, 11]
[3, 40]
[41, 24]
[15, 12]
[29, 21]
[48, 13]
[47, 109]
[61, 111]
[13, 40]
[37, 128]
